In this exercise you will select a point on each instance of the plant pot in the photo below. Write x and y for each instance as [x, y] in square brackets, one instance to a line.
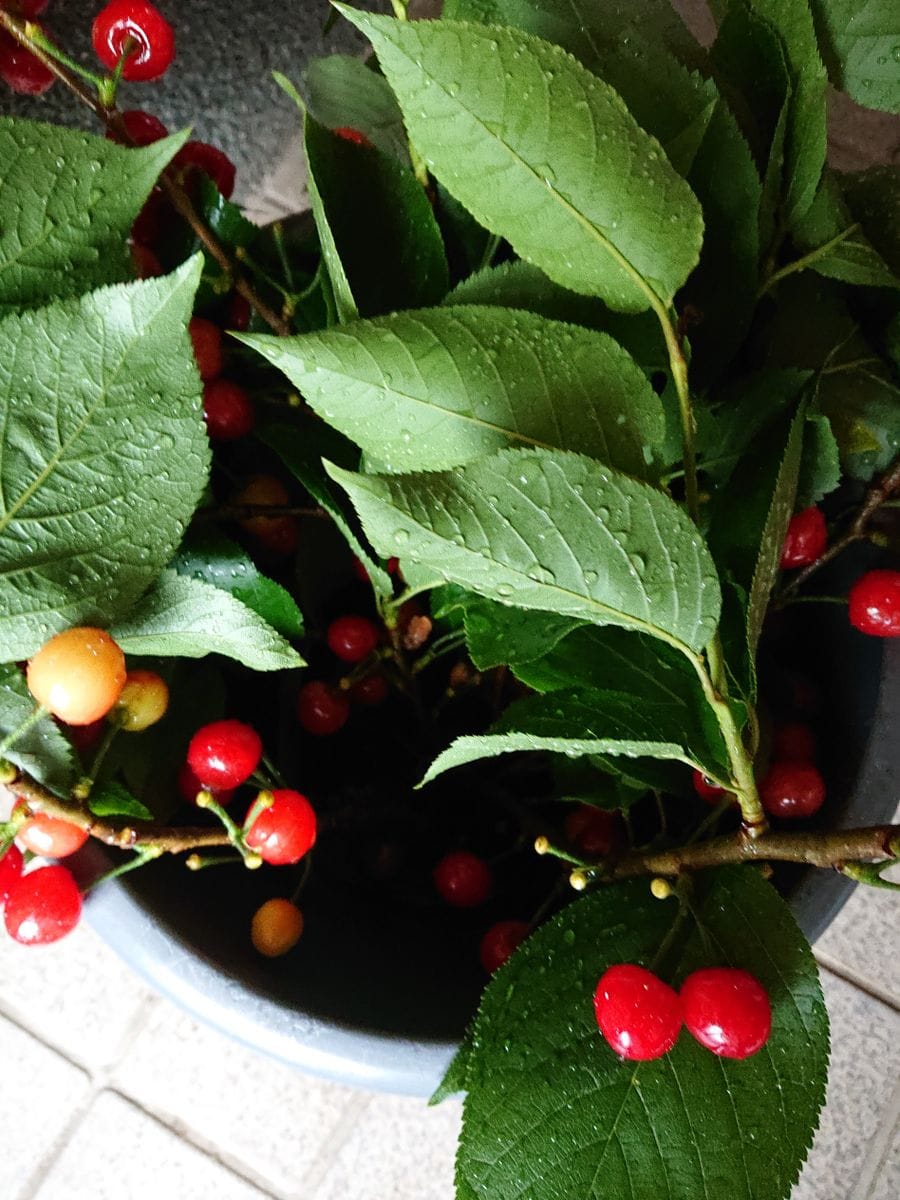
[378, 996]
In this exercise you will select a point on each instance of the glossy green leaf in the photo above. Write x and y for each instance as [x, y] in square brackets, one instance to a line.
[374, 216]
[590, 721]
[217, 560]
[551, 531]
[860, 40]
[836, 245]
[543, 153]
[820, 464]
[864, 410]
[874, 200]
[42, 751]
[343, 93]
[454, 1080]
[497, 633]
[518, 284]
[749, 525]
[580, 26]
[805, 134]
[301, 446]
[68, 200]
[105, 454]
[183, 617]
[111, 799]
[437, 388]
[552, 1111]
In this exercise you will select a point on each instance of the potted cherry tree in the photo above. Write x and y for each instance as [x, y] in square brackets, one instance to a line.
[463, 553]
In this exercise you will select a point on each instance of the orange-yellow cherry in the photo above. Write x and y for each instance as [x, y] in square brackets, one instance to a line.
[78, 675]
[143, 701]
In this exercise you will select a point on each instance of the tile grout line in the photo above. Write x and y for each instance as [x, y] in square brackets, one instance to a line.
[38, 1176]
[327, 1154]
[834, 967]
[207, 1149]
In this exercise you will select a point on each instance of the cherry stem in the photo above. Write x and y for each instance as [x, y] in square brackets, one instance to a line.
[878, 494]
[140, 858]
[112, 119]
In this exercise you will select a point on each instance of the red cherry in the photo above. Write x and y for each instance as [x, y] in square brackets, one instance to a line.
[794, 742]
[189, 785]
[322, 709]
[206, 339]
[805, 540]
[146, 264]
[594, 831]
[727, 1011]
[279, 535]
[137, 29]
[285, 831]
[370, 691]
[42, 906]
[463, 879]
[224, 754]
[392, 566]
[151, 221]
[49, 836]
[352, 135]
[20, 70]
[239, 313]
[11, 862]
[201, 156]
[500, 941]
[875, 604]
[143, 128]
[706, 789]
[792, 789]
[352, 638]
[229, 411]
[638, 1014]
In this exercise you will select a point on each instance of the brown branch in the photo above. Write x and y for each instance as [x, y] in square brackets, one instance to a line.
[112, 119]
[873, 844]
[878, 494]
[123, 835]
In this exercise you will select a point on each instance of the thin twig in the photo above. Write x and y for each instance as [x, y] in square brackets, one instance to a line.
[878, 494]
[182, 203]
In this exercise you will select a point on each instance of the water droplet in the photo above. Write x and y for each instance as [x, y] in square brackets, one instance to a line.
[401, 537]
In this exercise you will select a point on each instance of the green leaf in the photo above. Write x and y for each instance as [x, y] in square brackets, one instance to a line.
[551, 531]
[805, 134]
[111, 799]
[343, 93]
[437, 388]
[864, 411]
[186, 618]
[68, 201]
[552, 1111]
[518, 284]
[582, 27]
[105, 454]
[454, 1080]
[859, 40]
[301, 447]
[373, 214]
[749, 525]
[496, 633]
[42, 751]
[874, 200]
[590, 721]
[217, 560]
[820, 465]
[842, 249]
[225, 219]
[544, 154]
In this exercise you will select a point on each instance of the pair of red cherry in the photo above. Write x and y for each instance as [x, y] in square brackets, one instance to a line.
[39, 906]
[221, 757]
[323, 709]
[228, 410]
[726, 1009]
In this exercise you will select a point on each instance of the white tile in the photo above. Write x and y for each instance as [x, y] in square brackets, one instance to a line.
[120, 1153]
[865, 1065]
[255, 1113]
[399, 1150]
[74, 994]
[861, 943]
[41, 1094]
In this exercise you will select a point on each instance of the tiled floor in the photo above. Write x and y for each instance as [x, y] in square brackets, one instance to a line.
[113, 1094]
